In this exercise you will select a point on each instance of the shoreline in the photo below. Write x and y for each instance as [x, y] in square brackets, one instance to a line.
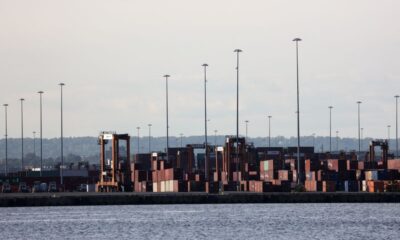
[91, 199]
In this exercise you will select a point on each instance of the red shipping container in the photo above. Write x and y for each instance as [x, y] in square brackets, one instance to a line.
[393, 164]
[268, 165]
[154, 176]
[336, 165]
[312, 186]
[270, 175]
[311, 176]
[285, 175]
[375, 186]
[236, 176]
[161, 164]
[352, 165]
[328, 186]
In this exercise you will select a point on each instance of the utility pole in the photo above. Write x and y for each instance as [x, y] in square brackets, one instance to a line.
[62, 137]
[300, 174]
[397, 130]
[206, 162]
[6, 136]
[166, 90]
[22, 134]
[237, 51]
[41, 134]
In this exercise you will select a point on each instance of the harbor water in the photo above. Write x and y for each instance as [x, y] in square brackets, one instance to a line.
[223, 221]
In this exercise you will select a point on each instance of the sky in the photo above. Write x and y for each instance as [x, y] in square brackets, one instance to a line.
[112, 56]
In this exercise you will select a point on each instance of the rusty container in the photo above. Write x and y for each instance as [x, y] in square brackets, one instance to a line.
[352, 165]
[236, 176]
[154, 176]
[285, 175]
[328, 186]
[311, 176]
[268, 165]
[336, 165]
[312, 186]
[375, 186]
[393, 164]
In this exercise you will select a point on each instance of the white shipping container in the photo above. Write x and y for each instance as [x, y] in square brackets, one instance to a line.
[167, 186]
[364, 185]
[162, 186]
[154, 186]
[346, 186]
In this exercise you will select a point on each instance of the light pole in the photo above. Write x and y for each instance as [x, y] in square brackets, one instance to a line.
[6, 136]
[41, 134]
[149, 125]
[247, 123]
[206, 163]
[359, 133]
[138, 139]
[237, 51]
[299, 179]
[269, 131]
[166, 91]
[337, 141]
[181, 135]
[34, 144]
[330, 128]
[362, 137]
[397, 138]
[62, 135]
[22, 134]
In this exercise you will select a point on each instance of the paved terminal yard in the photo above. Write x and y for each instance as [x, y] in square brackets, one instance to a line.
[121, 198]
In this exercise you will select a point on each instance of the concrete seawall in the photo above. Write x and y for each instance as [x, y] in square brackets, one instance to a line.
[78, 199]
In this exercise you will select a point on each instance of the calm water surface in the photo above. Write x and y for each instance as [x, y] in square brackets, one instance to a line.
[249, 221]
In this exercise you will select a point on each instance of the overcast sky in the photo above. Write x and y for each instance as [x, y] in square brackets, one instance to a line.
[112, 55]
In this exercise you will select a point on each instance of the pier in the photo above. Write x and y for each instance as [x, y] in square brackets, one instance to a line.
[132, 198]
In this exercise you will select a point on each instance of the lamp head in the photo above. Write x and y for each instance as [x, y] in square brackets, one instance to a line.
[297, 39]
[166, 76]
[238, 50]
[205, 65]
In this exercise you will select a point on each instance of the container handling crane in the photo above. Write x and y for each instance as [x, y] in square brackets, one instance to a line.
[115, 173]
[384, 145]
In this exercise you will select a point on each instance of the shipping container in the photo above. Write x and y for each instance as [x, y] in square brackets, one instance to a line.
[312, 186]
[328, 186]
[375, 186]
[393, 164]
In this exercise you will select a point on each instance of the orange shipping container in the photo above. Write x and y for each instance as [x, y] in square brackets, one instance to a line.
[376, 186]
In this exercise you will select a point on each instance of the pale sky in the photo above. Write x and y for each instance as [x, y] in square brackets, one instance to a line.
[112, 55]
